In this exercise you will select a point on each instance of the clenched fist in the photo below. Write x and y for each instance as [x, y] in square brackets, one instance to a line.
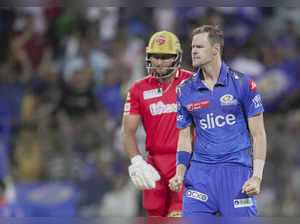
[252, 186]
[176, 183]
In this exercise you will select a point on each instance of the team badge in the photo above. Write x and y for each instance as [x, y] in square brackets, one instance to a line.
[228, 99]
[160, 40]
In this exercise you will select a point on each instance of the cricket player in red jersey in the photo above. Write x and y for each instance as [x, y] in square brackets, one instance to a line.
[153, 101]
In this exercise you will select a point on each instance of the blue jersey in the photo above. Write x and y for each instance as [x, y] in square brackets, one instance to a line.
[220, 116]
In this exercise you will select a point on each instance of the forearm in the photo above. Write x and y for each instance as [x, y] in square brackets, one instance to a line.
[130, 145]
[130, 125]
[180, 170]
[184, 150]
[185, 139]
[259, 154]
[259, 145]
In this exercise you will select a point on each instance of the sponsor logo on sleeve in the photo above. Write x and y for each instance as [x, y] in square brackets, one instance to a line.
[198, 105]
[257, 101]
[243, 202]
[152, 93]
[127, 107]
[252, 85]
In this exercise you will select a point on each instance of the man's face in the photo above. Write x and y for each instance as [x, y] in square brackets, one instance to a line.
[202, 50]
[162, 62]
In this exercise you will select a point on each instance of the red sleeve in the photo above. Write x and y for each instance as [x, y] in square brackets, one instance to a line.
[132, 103]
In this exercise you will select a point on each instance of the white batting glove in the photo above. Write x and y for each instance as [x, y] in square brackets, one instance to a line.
[142, 174]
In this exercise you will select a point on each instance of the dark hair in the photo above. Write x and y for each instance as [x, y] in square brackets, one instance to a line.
[215, 34]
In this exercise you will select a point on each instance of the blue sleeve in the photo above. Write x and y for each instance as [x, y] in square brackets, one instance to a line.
[251, 98]
[184, 118]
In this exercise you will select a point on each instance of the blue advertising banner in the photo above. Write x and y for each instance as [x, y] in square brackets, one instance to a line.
[47, 199]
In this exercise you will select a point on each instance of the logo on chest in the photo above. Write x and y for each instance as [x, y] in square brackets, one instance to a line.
[228, 100]
[161, 108]
[198, 105]
[152, 93]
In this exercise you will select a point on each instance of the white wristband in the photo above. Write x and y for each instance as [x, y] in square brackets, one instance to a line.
[258, 168]
[136, 159]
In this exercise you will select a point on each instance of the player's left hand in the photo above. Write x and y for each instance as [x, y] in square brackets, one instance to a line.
[252, 186]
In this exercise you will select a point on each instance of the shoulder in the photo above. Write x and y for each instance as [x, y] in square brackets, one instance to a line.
[239, 77]
[188, 81]
[186, 85]
[141, 83]
[185, 73]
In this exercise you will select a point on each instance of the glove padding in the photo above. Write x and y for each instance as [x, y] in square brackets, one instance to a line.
[142, 174]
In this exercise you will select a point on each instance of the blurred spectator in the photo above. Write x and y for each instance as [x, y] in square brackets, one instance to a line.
[27, 46]
[29, 157]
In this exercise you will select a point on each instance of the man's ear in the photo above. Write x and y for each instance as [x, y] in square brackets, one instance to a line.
[216, 49]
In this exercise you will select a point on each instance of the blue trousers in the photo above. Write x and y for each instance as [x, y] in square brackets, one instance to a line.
[217, 188]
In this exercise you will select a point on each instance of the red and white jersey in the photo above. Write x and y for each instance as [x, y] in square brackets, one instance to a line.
[157, 104]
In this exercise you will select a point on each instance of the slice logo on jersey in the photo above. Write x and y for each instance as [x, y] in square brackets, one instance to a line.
[152, 93]
[243, 202]
[161, 108]
[196, 195]
[257, 101]
[212, 121]
[198, 105]
[160, 40]
[127, 107]
[228, 100]
[252, 85]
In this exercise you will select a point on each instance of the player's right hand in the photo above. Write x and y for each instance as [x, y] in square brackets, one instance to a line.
[175, 183]
[142, 174]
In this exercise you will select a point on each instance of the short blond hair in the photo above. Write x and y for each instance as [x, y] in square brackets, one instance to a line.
[215, 34]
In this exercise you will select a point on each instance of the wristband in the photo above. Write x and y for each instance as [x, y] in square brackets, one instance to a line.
[183, 157]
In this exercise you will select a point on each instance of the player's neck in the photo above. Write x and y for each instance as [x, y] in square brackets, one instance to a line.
[168, 79]
[211, 71]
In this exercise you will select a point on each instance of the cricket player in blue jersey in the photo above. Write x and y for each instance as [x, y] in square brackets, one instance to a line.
[222, 171]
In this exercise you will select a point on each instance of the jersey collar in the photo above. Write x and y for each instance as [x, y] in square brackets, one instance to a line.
[198, 84]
